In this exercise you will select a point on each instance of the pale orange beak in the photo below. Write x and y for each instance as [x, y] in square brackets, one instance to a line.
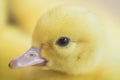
[29, 58]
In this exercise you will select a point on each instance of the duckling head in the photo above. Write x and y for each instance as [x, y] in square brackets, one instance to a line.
[67, 39]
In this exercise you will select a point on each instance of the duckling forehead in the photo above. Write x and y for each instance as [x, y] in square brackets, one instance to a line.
[68, 22]
[74, 31]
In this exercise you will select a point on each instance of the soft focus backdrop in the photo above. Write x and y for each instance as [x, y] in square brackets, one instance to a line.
[19, 17]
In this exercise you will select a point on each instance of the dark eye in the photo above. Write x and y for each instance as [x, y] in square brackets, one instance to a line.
[63, 41]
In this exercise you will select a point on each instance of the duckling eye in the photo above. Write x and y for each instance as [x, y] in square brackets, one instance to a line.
[63, 41]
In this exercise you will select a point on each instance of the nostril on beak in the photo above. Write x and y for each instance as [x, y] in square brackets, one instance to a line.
[32, 55]
[10, 65]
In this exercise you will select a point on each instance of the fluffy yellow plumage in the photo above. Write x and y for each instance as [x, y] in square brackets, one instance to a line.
[71, 44]
[13, 42]
[3, 13]
[26, 12]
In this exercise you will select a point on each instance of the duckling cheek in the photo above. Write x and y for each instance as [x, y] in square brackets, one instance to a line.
[29, 58]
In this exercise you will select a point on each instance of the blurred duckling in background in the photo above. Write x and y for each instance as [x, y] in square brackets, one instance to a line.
[12, 43]
[2, 13]
[70, 43]
[26, 13]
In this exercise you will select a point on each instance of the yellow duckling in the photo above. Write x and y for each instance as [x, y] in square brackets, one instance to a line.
[2, 13]
[26, 12]
[70, 43]
[12, 43]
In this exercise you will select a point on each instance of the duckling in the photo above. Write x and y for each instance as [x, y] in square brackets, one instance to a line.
[12, 43]
[25, 13]
[70, 43]
[2, 13]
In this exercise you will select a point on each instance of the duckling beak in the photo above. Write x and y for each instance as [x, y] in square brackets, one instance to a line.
[29, 58]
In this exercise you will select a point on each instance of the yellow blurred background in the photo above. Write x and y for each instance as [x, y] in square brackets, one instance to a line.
[18, 19]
